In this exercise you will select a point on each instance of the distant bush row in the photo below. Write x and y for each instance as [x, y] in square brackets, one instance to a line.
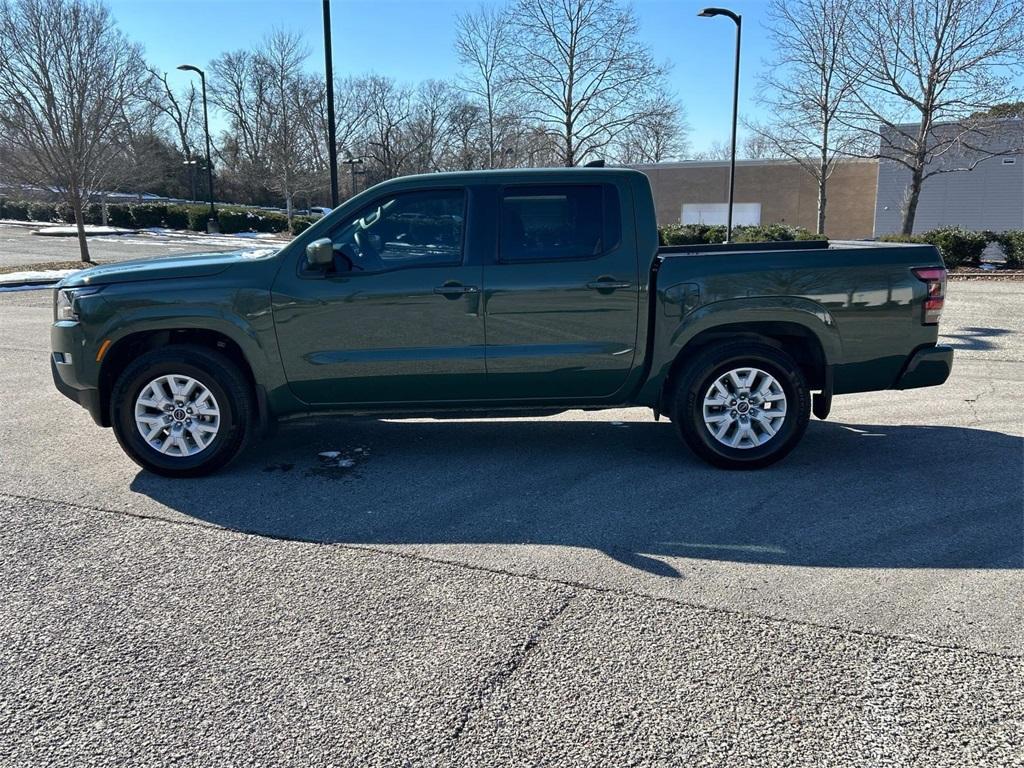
[963, 248]
[145, 215]
[701, 234]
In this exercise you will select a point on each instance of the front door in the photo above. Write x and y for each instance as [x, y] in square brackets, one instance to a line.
[396, 319]
[563, 294]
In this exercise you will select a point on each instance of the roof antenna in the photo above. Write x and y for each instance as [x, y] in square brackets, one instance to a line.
[595, 164]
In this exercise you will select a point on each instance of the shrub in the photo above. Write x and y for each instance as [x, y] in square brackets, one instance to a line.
[771, 233]
[15, 210]
[197, 217]
[233, 220]
[270, 221]
[1012, 243]
[145, 215]
[301, 223]
[38, 211]
[698, 234]
[176, 217]
[895, 238]
[691, 234]
[959, 247]
[120, 215]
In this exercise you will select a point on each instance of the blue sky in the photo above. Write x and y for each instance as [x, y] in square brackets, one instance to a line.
[412, 40]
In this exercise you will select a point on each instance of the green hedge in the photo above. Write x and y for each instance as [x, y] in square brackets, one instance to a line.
[247, 220]
[301, 223]
[146, 215]
[959, 247]
[16, 210]
[1012, 243]
[703, 234]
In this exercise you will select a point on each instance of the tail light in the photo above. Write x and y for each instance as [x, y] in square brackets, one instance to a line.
[934, 279]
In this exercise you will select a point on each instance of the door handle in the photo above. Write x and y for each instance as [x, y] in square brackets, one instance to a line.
[453, 290]
[607, 285]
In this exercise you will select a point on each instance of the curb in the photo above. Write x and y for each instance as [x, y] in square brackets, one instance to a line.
[28, 284]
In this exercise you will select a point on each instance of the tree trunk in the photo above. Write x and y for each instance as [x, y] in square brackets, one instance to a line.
[288, 207]
[822, 201]
[822, 194]
[76, 206]
[913, 194]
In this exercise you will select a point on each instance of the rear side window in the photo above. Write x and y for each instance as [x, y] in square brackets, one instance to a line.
[554, 223]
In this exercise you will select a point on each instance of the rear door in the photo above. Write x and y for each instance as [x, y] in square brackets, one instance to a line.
[396, 319]
[562, 293]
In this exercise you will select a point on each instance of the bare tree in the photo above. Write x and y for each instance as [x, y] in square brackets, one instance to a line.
[66, 74]
[484, 48]
[268, 99]
[805, 87]
[390, 108]
[179, 109]
[922, 68]
[717, 150]
[659, 134]
[288, 152]
[581, 71]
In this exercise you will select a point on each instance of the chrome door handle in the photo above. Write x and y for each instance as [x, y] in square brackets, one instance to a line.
[607, 285]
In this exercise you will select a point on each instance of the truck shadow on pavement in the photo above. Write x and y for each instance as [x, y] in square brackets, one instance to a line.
[974, 338]
[849, 496]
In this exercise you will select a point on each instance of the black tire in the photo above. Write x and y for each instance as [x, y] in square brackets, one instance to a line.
[213, 370]
[699, 376]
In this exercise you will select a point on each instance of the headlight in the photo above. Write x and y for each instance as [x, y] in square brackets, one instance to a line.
[66, 306]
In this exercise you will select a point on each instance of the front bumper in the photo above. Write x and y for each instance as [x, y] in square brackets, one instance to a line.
[927, 367]
[71, 365]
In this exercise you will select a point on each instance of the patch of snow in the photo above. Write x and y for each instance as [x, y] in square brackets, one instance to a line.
[258, 253]
[90, 229]
[20, 223]
[346, 463]
[33, 276]
[329, 454]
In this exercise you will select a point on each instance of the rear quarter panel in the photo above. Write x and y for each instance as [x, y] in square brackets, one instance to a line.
[862, 302]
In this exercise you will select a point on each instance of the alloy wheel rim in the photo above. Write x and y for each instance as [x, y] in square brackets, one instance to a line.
[177, 415]
[744, 408]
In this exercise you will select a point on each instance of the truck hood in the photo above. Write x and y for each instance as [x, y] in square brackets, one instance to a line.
[166, 267]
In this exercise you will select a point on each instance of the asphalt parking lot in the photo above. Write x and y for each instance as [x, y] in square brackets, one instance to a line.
[575, 590]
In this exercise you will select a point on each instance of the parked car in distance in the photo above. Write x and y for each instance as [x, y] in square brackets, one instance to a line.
[495, 292]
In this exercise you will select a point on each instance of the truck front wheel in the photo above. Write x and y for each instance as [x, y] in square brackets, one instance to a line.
[181, 411]
[742, 405]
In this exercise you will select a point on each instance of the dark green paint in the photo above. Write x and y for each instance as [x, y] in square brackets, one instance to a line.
[538, 334]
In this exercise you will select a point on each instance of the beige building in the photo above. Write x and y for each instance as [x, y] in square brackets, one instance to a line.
[767, 192]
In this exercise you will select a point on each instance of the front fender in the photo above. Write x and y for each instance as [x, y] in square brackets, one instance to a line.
[242, 315]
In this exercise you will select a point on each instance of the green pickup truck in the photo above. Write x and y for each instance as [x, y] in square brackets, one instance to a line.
[494, 292]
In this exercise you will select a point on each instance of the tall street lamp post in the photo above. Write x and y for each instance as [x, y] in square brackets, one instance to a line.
[192, 175]
[212, 225]
[332, 142]
[708, 12]
[352, 162]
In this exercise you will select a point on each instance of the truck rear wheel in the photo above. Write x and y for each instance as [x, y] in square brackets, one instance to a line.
[742, 405]
[181, 411]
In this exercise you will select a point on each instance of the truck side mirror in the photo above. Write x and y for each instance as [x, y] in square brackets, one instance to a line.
[320, 253]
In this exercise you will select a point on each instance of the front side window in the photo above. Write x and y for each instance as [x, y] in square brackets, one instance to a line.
[408, 229]
[549, 223]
